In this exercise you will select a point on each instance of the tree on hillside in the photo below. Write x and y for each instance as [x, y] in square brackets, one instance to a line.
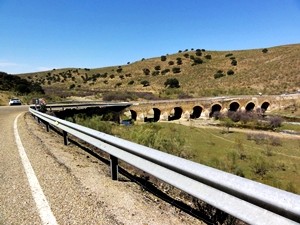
[172, 83]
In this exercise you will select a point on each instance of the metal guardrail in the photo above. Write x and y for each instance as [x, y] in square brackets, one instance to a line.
[247, 200]
[67, 105]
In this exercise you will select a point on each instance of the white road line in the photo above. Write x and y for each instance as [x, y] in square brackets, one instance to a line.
[42, 205]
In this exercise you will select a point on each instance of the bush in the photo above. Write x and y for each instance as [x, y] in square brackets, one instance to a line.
[218, 75]
[155, 73]
[165, 71]
[186, 55]
[208, 57]
[146, 71]
[260, 167]
[163, 58]
[198, 52]
[171, 63]
[72, 86]
[119, 70]
[234, 62]
[197, 61]
[265, 50]
[176, 70]
[118, 84]
[145, 83]
[179, 61]
[230, 72]
[275, 122]
[157, 67]
[131, 82]
[172, 83]
[228, 55]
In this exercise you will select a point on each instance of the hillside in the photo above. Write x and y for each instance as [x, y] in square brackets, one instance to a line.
[200, 73]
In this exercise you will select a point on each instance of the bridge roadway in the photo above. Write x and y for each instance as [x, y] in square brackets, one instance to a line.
[70, 187]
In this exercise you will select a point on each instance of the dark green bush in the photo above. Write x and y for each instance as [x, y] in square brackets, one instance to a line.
[157, 67]
[146, 71]
[197, 61]
[163, 58]
[208, 57]
[230, 72]
[198, 52]
[218, 75]
[172, 83]
[131, 82]
[155, 73]
[176, 70]
[234, 62]
[165, 71]
[145, 83]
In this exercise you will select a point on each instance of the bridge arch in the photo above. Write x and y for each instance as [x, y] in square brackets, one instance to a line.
[133, 115]
[250, 106]
[264, 106]
[234, 106]
[196, 113]
[154, 115]
[175, 114]
[215, 108]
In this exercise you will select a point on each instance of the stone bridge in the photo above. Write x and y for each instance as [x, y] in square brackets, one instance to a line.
[166, 110]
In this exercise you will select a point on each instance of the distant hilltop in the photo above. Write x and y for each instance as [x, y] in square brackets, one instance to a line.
[188, 73]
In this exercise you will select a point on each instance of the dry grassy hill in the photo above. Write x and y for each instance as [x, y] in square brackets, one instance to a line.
[200, 73]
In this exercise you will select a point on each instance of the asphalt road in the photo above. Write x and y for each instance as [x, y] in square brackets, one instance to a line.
[47, 194]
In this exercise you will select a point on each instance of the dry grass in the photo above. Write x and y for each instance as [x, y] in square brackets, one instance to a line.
[274, 72]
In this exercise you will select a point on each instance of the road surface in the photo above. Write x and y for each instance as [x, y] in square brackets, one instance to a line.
[44, 182]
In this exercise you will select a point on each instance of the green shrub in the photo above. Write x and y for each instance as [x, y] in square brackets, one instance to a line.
[230, 72]
[119, 70]
[228, 55]
[172, 83]
[165, 71]
[145, 83]
[146, 71]
[176, 70]
[186, 55]
[157, 67]
[234, 62]
[218, 75]
[155, 73]
[208, 57]
[197, 61]
[163, 58]
[131, 82]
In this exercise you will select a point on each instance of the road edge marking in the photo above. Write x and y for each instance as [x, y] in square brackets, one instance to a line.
[41, 202]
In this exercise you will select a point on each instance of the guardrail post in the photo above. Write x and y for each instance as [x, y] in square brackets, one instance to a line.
[47, 126]
[114, 167]
[65, 137]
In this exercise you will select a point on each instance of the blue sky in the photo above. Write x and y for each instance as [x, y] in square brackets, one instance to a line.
[37, 35]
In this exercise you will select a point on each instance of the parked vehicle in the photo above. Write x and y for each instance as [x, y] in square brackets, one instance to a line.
[15, 101]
